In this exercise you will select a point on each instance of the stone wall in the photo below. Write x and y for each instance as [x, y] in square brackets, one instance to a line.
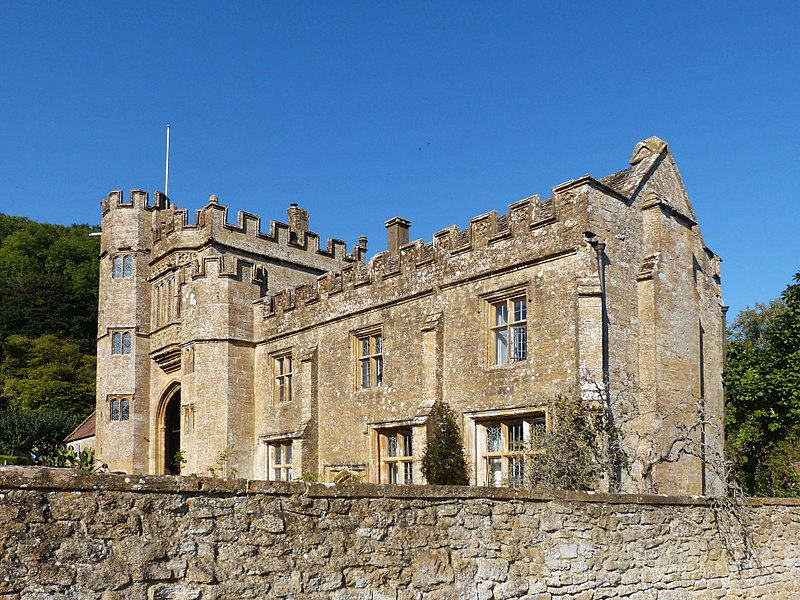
[65, 534]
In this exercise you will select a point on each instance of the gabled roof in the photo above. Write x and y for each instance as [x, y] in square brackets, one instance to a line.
[84, 430]
[644, 158]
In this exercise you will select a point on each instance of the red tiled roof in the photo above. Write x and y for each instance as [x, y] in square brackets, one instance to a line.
[84, 430]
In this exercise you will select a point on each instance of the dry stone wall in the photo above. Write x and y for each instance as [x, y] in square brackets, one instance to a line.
[71, 535]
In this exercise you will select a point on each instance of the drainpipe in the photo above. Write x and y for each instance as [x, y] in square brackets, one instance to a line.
[600, 250]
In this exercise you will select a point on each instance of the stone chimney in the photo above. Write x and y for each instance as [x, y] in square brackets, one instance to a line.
[397, 229]
[298, 222]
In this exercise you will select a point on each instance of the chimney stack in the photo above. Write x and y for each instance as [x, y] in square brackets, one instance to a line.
[397, 230]
[298, 222]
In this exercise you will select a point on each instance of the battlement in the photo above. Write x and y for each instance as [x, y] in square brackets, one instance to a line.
[172, 229]
[230, 267]
[417, 261]
[136, 199]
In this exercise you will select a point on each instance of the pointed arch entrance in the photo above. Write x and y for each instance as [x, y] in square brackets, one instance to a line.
[169, 431]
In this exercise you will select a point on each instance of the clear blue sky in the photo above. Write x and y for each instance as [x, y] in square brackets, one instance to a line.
[433, 111]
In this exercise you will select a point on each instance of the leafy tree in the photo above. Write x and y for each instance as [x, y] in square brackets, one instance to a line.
[762, 377]
[443, 461]
[48, 280]
[39, 304]
[46, 373]
[34, 433]
[48, 325]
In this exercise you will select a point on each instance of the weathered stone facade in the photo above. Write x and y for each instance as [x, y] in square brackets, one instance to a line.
[268, 355]
[69, 535]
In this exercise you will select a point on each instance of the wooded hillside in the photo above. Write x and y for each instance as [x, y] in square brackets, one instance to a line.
[48, 327]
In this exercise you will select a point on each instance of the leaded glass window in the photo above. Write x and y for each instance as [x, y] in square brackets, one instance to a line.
[509, 330]
[397, 456]
[370, 360]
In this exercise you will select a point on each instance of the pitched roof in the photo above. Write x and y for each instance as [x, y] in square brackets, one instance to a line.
[84, 430]
[617, 181]
[645, 156]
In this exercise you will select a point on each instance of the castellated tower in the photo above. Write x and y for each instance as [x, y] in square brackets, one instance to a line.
[123, 327]
[176, 299]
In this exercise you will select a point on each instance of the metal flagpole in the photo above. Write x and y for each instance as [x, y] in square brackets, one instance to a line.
[166, 174]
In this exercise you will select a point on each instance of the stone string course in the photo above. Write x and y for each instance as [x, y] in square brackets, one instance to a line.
[72, 535]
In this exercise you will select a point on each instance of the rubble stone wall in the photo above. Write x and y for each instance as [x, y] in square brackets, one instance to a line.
[65, 534]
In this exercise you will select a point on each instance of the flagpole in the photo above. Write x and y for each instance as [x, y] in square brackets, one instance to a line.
[166, 174]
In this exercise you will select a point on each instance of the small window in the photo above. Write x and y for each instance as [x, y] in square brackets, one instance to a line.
[369, 350]
[122, 266]
[509, 330]
[121, 342]
[283, 377]
[188, 359]
[188, 418]
[501, 449]
[280, 461]
[396, 449]
[120, 408]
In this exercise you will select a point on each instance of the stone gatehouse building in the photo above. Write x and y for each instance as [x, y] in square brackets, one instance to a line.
[268, 353]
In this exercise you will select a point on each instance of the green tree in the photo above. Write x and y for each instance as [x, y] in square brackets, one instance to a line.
[48, 280]
[443, 461]
[33, 433]
[46, 373]
[762, 377]
[48, 326]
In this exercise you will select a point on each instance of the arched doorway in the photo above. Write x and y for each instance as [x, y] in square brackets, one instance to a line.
[171, 430]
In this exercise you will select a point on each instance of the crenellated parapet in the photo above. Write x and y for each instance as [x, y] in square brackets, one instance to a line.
[136, 199]
[229, 267]
[490, 241]
[172, 229]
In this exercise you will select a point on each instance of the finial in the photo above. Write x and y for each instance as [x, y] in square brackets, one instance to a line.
[212, 199]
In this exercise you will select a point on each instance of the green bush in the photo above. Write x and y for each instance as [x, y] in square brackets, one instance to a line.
[443, 462]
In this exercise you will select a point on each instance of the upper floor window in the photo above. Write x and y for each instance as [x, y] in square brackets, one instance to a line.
[121, 342]
[120, 408]
[509, 330]
[396, 450]
[502, 446]
[280, 461]
[122, 266]
[369, 350]
[282, 366]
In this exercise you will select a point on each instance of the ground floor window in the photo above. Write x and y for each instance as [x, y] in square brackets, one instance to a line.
[280, 461]
[502, 449]
[396, 450]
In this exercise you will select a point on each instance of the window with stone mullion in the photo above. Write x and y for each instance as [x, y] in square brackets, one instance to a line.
[397, 456]
[280, 455]
[370, 359]
[503, 456]
[283, 378]
[510, 330]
